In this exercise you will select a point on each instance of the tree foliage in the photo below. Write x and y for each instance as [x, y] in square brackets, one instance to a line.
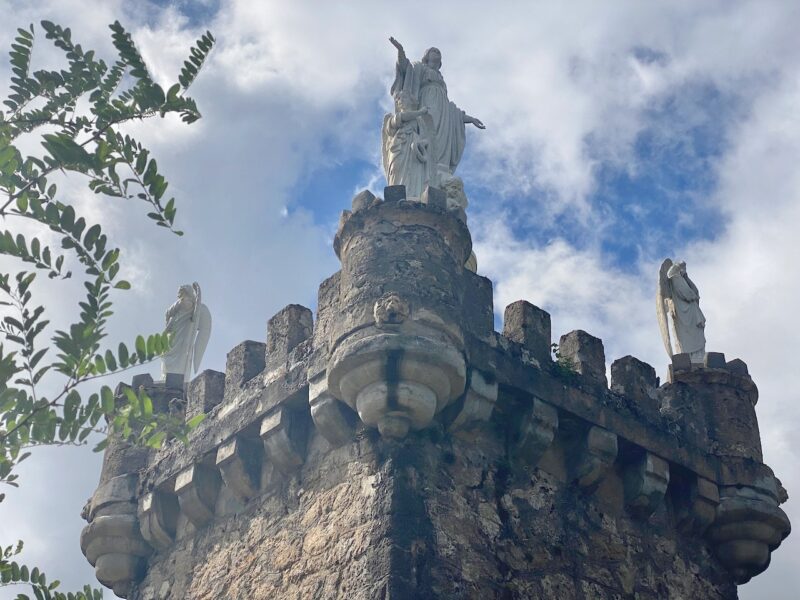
[77, 112]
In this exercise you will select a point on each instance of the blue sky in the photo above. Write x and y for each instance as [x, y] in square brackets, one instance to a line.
[618, 133]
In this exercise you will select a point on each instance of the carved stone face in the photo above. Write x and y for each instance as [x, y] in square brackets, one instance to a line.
[390, 309]
[433, 58]
[185, 294]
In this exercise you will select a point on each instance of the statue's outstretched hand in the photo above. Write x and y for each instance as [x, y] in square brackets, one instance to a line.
[477, 122]
[401, 54]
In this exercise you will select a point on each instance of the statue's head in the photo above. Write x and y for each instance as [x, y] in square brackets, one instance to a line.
[432, 58]
[404, 101]
[186, 292]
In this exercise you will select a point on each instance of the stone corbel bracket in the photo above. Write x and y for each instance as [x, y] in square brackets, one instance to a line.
[158, 518]
[537, 431]
[597, 453]
[197, 488]
[645, 482]
[112, 542]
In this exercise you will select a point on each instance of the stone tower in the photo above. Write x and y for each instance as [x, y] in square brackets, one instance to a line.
[398, 447]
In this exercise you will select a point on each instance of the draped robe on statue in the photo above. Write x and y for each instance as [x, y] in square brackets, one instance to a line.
[407, 156]
[426, 85]
[688, 320]
[183, 329]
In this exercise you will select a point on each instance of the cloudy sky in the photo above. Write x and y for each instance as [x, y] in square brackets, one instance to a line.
[618, 133]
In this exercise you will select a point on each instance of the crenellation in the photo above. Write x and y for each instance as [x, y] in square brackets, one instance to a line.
[243, 363]
[584, 353]
[204, 392]
[529, 326]
[289, 327]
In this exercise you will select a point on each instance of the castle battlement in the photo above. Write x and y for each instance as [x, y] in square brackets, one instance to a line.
[399, 447]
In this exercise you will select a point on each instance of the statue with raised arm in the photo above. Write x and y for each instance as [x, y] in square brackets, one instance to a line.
[424, 86]
[189, 327]
[679, 298]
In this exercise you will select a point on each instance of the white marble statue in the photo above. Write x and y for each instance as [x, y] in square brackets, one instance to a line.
[423, 83]
[678, 297]
[407, 146]
[189, 327]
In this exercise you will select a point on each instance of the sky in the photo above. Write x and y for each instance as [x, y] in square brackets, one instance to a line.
[617, 134]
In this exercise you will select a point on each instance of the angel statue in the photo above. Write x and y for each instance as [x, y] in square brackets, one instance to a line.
[189, 327]
[678, 296]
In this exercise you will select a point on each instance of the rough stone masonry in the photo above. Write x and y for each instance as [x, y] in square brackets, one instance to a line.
[398, 447]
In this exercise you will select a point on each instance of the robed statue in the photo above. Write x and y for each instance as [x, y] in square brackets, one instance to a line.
[420, 93]
[188, 327]
[679, 298]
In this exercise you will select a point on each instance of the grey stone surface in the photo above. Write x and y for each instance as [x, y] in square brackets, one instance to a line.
[243, 363]
[636, 380]
[536, 432]
[585, 354]
[645, 479]
[394, 193]
[681, 362]
[529, 325]
[714, 360]
[290, 327]
[197, 488]
[737, 366]
[239, 461]
[434, 197]
[204, 392]
[363, 199]
[594, 457]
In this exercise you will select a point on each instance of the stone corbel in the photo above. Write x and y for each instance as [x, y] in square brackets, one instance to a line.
[697, 507]
[197, 488]
[537, 431]
[158, 517]
[749, 525]
[645, 482]
[284, 435]
[597, 453]
[114, 546]
[239, 462]
[329, 414]
[478, 401]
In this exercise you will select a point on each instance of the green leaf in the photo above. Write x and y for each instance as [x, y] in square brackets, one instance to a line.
[141, 346]
[195, 421]
[107, 400]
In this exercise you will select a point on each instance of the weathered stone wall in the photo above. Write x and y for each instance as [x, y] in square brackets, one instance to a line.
[434, 517]
[401, 448]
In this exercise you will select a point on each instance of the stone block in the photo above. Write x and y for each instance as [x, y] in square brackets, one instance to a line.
[174, 381]
[681, 362]
[394, 193]
[478, 305]
[204, 392]
[288, 328]
[696, 505]
[737, 365]
[244, 362]
[529, 325]
[645, 482]
[140, 380]
[434, 197]
[332, 418]
[284, 433]
[363, 199]
[477, 404]
[158, 518]
[585, 353]
[537, 431]
[343, 218]
[594, 456]
[239, 461]
[197, 488]
[714, 360]
[638, 381]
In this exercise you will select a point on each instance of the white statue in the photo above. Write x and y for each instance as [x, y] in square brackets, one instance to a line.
[407, 137]
[424, 84]
[678, 296]
[189, 327]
